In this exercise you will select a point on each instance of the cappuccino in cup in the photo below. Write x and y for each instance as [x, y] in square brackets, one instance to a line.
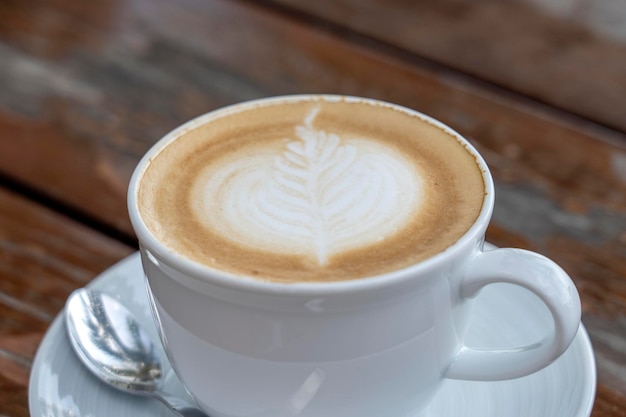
[311, 190]
[311, 256]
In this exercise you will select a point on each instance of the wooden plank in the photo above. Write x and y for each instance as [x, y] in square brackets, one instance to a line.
[43, 257]
[569, 54]
[608, 402]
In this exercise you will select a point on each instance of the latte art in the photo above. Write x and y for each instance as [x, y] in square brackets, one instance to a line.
[319, 195]
[310, 189]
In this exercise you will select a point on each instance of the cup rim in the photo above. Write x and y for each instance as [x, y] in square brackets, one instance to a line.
[204, 273]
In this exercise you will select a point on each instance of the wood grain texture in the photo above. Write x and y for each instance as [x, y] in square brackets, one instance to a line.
[43, 257]
[148, 76]
[568, 53]
[86, 88]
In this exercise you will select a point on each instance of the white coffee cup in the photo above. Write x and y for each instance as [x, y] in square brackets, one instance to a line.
[371, 347]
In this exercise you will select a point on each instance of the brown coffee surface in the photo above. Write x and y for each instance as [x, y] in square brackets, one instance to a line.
[312, 190]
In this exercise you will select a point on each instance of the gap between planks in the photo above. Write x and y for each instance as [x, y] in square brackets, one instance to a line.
[42, 198]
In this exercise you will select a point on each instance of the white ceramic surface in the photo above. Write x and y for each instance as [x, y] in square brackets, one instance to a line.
[247, 347]
[502, 315]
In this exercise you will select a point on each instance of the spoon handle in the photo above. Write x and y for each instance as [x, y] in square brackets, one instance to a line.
[181, 407]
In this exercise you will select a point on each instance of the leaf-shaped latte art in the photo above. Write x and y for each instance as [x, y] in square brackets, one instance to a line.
[318, 196]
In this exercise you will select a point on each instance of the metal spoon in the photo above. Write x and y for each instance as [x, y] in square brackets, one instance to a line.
[111, 343]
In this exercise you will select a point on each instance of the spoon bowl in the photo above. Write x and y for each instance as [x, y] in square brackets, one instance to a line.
[114, 347]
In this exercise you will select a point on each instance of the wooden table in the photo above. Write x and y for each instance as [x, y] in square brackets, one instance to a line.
[86, 88]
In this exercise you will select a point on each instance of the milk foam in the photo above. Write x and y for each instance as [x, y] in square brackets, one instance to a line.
[310, 189]
[314, 195]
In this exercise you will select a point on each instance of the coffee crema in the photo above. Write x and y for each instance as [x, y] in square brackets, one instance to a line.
[311, 190]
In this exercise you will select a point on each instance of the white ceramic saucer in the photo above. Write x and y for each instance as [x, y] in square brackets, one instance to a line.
[61, 387]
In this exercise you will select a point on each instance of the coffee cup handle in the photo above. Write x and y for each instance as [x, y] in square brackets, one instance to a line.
[550, 283]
